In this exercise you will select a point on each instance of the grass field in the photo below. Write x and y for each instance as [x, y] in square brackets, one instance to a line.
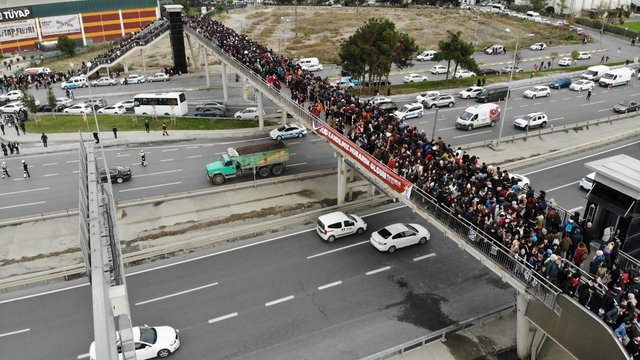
[632, 25]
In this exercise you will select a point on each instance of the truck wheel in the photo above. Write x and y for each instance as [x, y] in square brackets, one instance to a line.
[277, 169]
[218, 179]
[263, 172]
[469, 127]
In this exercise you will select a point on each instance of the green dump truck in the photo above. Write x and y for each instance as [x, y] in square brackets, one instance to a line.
[263, 159]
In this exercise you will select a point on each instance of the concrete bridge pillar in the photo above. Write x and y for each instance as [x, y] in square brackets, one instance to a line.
[225, 83]
[343, 174]
[206, 68]
[177, 37]
[245, 91]
[144, 62]
[283, 119]
[523, 330]
[260, 109]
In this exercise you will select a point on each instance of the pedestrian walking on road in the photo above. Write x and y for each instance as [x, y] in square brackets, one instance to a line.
[143, 158]
[115, 131]
[44, 139]
[17, 128]
[2, 126]
[25, 167]
[164, 129]
[16, 147]
[589, 94]
[4, 170]
[146, 125]
[96, 137]
[23, 127]
[4, 149]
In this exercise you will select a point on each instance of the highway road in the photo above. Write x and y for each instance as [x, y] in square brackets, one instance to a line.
[283, 295]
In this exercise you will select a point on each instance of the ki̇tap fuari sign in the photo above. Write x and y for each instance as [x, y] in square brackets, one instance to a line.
[16, 13]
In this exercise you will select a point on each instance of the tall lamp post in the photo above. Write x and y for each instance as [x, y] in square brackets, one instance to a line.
[506, 101]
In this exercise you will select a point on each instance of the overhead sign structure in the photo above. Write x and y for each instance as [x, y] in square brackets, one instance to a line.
[17, 30]
[16, 13]
[64, 24]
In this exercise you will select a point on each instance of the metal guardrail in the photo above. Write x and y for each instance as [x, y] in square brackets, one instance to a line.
[441, 334]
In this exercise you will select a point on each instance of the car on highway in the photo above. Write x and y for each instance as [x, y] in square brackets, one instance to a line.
[439, 69]
[96, 103]
[560, 83]
[565, 61]
[409, 111]
[119, 174]
[378, 100]
[211, 104]
[10, 96]
[582, 85]
[470, 92]
[149, 342]
[531, 120]
[489, 71]
[288, 131]
[428, 94]
[586, 182]
[64, 102]
[389, 107]
[343, 84]
[112, 110]
[415, 78]
[426, 55]
[158, 77]
[538, 46]
[440, 101]
[509, 68]
[133, 79]
[12, 107]
[104, 81]
[209, 112]
[495, 50]
[536, 92]
[338, 224]
[248, 113]
[79, 109]
[74, 83]
[128, 104]
[463, 73]
[626, 106]
[522, 180]
[583, 55]
[396, 236]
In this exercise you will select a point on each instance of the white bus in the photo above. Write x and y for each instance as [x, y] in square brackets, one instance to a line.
[166, 104]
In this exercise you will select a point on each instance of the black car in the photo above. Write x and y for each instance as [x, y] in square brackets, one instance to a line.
[119, 174]
[388, 106]
[209, 112]
[376, 83]
[626, 106]
[47, 108]
[489, 72]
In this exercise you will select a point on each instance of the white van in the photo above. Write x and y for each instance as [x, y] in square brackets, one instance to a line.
[338, 224]
[75, 82]
[426, 55]
[534, 16]
[616, 77]
[310, 64]
[479, 115]
[497, 7]
[594, 73]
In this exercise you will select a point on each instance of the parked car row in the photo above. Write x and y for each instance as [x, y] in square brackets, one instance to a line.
[82, 82]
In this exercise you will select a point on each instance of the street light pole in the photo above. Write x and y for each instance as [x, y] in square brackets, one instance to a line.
[506, 101]
[475, 34]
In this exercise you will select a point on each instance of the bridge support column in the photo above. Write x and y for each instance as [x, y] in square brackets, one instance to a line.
[283, 119]
[523, 330]
[260, 110]
[343, 174]
[206, 68]
[177, 37]
[225, 82]
[144, 62]
[245, 91]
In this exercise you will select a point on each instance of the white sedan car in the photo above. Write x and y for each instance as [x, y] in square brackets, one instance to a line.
[396, 236]
[565, 61]
[415, 78]
[537, 92]
[379, 100]
[248, 113]
[522, 180]
[288, 131]
[439, 69]
[421, 98]
[583, 55]
[128, 104]
[538, 46]
[113, 109]
[158, 77]
[133, 79]
[150, 342]
[463, 74]
[64, 101]
[582, 85]
[79, 109]
[470, 92]
[587, 181]
[12, 107]
[104, 81]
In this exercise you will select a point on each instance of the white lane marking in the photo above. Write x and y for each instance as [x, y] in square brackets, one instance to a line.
[553, 100]
[24, 191]
[338, 249]
[575, 209]
[192, 147]
[314, 140]
[49, 164]
[176, 294]
[22, 205]
[335, 283]
[152, 186]
[165, 160]
[15, 332]
[167, 150]
[291, 154]
[635, 94]
[556, 119]
[478, 133]
[194, 156]
[47, 175]
[294, 143]
[123, 155]
[563, 186]
[592, 103]
[278, 301]
[581, 158]
[523, 106]
[605, 109]
[75, 171]
[160, 172]
[223, 317]
[43, 293]
[82, 356]
[424, 257]
[448, 128]
[378, 270]
[297, 164]
[567, 98]
[72, 161]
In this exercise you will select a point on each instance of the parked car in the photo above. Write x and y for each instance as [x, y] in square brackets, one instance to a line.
[128, 104]
[12, 95]
[538, 46]
[537, 91]
[46, 108]
[338, 224]
[119, 174]
[429, 94]
[426, 55]
[415, 78]
[409, 111]
[495, 50]
[79, 109]
[342, 84]
[380, 82]
[149, 342]
[439, 101]
[158, 77]
[583, 55]
[387, 106]
[96, 103]
[209, 112]
[74, 83]
[509, 68]
[12, 107]
[211, 104]
[489, 71]
[439, 69]
[248, 113]
[582, 85]
[133, 79]
[537, 119]
[626, 107]
[463, 73]
[565, 61]
[396, 236]
[112, 110]
[104, 81]
[586, 182]
[64, 102]
[470, 92]
[288, 131]
[378, 100]
[560, 83]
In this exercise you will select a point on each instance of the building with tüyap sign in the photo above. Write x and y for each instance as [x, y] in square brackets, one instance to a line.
[24, 23]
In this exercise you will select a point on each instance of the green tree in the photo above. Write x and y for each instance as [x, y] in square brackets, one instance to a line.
[574, 55]
[51, 100]
[538, 5]
[66, 45]
[554, 55]
[28, 100]
[457, 50]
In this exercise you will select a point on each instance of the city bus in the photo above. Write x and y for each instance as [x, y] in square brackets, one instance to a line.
[166, 104]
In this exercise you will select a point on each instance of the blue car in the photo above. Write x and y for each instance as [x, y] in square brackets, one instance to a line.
[560, 83]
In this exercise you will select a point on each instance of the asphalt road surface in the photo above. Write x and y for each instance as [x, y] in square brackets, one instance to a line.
[285, 295]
